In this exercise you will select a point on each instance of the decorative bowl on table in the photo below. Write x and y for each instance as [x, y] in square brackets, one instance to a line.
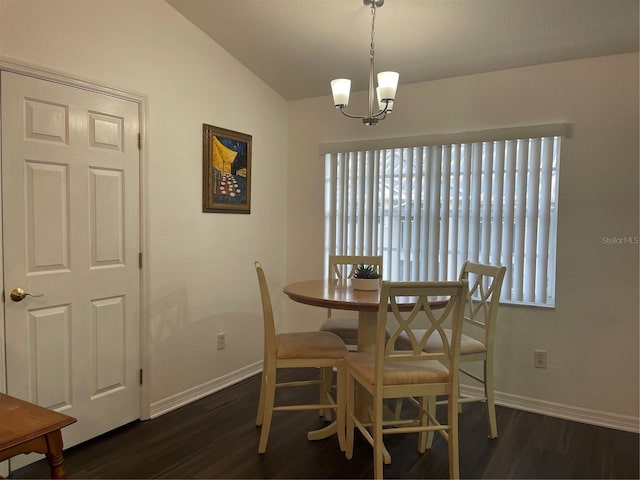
[365, 283]
[366, 277]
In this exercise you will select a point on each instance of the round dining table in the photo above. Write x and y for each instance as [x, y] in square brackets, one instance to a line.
[339, 294]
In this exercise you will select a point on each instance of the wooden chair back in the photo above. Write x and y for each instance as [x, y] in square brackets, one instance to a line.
[483, 297]
[342, 266]
[267, 314]
[422, 318]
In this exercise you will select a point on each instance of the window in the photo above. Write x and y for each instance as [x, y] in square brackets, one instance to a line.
[429, 208]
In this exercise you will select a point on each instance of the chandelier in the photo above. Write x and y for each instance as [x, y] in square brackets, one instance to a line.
[380, 102]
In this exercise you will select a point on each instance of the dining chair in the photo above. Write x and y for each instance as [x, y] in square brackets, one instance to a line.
[341, 267]
[323, 350]
[388, 373]
[477, 344]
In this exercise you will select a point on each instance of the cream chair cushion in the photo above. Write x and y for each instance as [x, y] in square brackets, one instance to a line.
[398, 373]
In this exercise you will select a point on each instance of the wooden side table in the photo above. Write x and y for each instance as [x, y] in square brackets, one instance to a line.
[28, 428]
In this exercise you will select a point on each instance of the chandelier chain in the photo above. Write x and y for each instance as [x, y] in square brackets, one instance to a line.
[373, 29]
[372, 67]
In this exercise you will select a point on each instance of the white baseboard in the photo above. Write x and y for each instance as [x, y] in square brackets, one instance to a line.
[559, 410]
[191, 395]
[543, 407]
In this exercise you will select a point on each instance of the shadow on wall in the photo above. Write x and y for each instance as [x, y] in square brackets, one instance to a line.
[171, 324]
[169, 315]
[184, 350]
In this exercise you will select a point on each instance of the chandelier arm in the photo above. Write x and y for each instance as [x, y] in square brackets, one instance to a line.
[384, 112]
[350, 115]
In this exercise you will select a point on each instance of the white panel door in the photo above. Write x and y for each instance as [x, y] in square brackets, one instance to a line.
[70, 186]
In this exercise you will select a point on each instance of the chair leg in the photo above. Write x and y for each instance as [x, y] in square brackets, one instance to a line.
[431, 408]
[491, 404]
[424, 421]
[341, 398]
[452, 418]
[378, 445]
[260, 413]
[397, 409]
[269, 399]
[349, 423]
[326, 379]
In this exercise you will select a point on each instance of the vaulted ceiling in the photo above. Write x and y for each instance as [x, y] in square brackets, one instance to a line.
[298, 46]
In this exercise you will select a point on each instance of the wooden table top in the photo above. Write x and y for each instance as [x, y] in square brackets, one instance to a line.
[22, 421]
[340, 295]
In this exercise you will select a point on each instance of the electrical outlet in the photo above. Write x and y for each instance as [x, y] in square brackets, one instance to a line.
[221, 341]
[540, 358]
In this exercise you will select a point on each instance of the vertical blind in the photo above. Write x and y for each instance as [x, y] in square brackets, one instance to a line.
[427, 209]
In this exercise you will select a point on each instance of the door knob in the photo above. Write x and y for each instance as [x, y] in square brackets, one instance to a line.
[18, 294]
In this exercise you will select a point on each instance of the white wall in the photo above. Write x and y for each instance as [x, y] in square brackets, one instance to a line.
[201, 273]
[592, 335]
[201, 276]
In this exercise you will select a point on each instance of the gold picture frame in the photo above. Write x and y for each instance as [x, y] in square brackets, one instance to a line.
[226, 170]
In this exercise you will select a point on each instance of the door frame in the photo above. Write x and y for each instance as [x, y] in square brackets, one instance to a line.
[42, 73]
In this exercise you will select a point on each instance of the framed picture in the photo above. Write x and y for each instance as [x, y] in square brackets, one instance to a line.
[226, 170]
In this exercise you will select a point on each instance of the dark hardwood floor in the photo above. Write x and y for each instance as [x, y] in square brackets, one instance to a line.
[216, 437]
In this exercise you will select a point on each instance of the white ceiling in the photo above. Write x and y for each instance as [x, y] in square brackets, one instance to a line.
[298, 46]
